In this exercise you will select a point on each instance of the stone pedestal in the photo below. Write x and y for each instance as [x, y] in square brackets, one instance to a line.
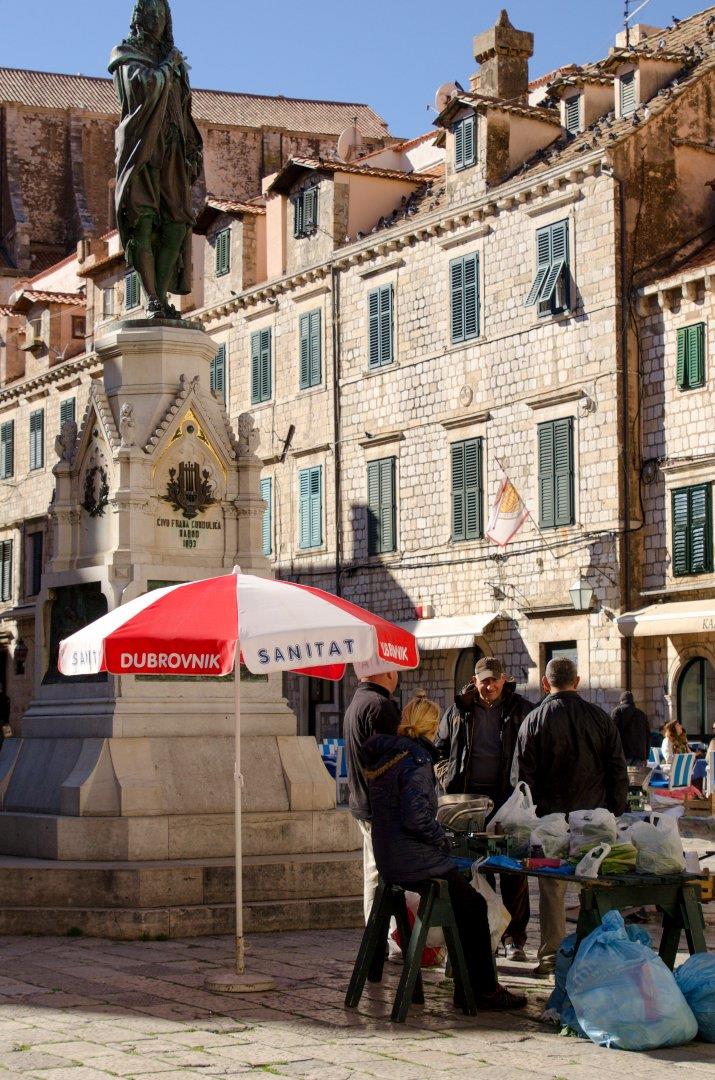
[157, 488]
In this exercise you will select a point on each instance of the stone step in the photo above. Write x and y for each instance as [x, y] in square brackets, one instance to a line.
[199, 920]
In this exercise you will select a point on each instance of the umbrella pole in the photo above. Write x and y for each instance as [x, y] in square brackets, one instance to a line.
[238, 982]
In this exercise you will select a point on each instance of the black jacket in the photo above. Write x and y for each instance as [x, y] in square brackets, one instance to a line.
[369, 702]
[634, 729]
[571, 757]
[408, 841]
[454, 739]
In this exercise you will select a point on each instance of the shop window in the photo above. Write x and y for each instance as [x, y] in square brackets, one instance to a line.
[696, 698]
[561, 650]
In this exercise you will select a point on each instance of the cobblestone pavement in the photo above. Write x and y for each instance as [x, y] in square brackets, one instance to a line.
[87, 1009]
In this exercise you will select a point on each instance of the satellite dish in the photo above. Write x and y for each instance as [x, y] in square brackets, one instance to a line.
[349, 143]
[444, 95]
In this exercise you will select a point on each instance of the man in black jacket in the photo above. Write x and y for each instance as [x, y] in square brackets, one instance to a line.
[372, 701]
[634, 729]
[476, 742]
[570, 755]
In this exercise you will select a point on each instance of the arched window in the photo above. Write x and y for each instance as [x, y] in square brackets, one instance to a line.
[696, 698]
[464, 668]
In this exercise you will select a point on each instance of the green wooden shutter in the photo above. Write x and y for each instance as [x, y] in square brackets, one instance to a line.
[388, 505]
[628, 93]
[223, 251]
[473, 489]
[67, 411]
[37, 433]
[266, 342]
[458, 521]
[563, 471]
[573, 114]
[310, 210]
[543, 264]
[316, 348]
[471, 296]
[316, 506]
[696, 356]
[256, 367]
[298, 216]
[459, 145]
[6, 570]
[380, 326]
[681, 371]
[373, 507]
[304, 508]
[132, 290]
[266, 522]
[386, 325]
[547, 495]
[373, 306]
[218, 373]
[680, 504]
[700, 547]
[559, 242]
[456, 280]
[37, 541]
[7, 449]
[304, 351]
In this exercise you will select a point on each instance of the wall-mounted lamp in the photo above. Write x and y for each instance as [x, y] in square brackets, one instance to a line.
[20, 656]
[581, 595]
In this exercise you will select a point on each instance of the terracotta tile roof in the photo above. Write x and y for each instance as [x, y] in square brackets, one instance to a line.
[480, 101]
[50, 90]
[54, 266]
[25, 297]
[100, 264]
[233, 206]
[551, 76]
[701, 259]
[589, 75]
[292, 169]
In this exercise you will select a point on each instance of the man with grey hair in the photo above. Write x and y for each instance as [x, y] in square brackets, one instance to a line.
[569, 753]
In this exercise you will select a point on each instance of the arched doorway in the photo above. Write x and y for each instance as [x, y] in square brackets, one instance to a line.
[464, 668]
[696, 698]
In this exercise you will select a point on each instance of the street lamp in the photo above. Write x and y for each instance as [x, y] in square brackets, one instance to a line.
[581, 595]
[20, 654]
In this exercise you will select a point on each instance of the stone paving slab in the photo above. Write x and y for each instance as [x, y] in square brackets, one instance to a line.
[91, 1009]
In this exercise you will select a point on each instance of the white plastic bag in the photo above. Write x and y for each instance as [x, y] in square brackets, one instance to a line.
[659, 847]
[591, 827]
[516, 818]
[552, 832]
[590, 864]
[497, 915]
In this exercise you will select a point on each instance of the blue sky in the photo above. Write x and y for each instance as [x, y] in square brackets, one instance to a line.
[390, 54]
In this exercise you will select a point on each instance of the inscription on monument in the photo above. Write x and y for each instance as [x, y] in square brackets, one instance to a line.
[188, 532]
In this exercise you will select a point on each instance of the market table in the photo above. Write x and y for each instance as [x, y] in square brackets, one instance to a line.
[675, 895]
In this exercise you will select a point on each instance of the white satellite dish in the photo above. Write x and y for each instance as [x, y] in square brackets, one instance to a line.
[444, 95]
[349, 143]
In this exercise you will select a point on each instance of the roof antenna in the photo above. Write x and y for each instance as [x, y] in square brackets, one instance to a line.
[628, 15]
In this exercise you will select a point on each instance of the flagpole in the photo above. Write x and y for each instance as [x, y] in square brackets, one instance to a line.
[529, 514]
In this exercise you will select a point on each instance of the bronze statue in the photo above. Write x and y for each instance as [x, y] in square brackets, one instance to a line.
[159, 156]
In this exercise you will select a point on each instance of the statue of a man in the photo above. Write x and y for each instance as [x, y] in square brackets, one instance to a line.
[159, 155]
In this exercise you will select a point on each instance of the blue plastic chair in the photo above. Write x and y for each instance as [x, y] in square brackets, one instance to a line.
[681, 770]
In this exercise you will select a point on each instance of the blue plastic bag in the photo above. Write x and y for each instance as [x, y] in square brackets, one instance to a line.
[623, 995]
[564, 959]
[696, 981]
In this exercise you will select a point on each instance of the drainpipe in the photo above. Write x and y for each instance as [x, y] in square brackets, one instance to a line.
[335, 313]
[625, 422]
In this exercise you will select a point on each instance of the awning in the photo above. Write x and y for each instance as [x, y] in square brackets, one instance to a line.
[455, 632]
[665, 620]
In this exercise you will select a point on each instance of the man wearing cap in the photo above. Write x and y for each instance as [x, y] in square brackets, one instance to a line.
[476, 741]
[372, 701]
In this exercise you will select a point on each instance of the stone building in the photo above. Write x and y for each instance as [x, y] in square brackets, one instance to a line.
[57, 155]
[410, 327]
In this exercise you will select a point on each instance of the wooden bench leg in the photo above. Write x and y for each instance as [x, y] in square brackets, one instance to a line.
[403, 926]
[691, 912]
[463, 989]
[372, 946]
[670, 939]
[411, 969]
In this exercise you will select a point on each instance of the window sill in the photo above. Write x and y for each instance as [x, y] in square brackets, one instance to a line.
[369, 372]
[557, 317]
[258, 404]
[388, 558]
[305, 390]
[456, 346]
[310, 553]
[222, 274]
[691, 389]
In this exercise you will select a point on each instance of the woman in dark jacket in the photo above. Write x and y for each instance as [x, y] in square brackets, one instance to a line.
[411, 847]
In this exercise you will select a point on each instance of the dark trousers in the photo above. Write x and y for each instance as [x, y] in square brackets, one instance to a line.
[470, 913]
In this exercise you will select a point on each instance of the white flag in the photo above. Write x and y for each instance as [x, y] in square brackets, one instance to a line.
[508, 514]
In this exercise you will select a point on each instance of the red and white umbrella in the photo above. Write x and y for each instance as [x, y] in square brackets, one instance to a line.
[194, 629]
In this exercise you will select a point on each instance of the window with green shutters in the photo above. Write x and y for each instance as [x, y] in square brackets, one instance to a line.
[310, 508]
[380, 333]
[261, 366]
[692, 530]
[690, 365]
[67, 410]
[7, 449]
[627, 84]
[310, 350]
[305, 212]
[556, 476]
[223, 252]
[465, 153]
[132, 290]
[37, 541]
[464, 290]
[5, 569]
[550, 289]
[381, 507]
[37, 439]
[467, 489]
[267, 520]
[217, 375]
[572, 108]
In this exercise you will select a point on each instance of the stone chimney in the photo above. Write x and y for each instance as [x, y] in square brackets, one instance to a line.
[503, 55]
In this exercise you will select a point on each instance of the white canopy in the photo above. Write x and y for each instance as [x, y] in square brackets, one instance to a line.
[453, 632]
[665, 620]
